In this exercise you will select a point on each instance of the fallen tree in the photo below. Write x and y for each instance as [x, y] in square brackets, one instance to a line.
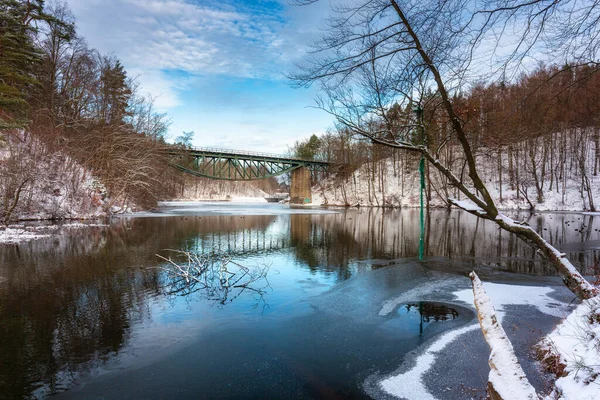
[214, 277]
[506, 379]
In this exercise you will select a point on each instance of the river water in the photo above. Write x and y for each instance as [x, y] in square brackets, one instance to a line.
[94, 312]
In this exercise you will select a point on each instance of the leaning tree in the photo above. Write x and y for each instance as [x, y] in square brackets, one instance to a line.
[377, 56]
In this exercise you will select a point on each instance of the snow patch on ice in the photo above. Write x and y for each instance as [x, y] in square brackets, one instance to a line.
[417, 292]
[503, 295]
[409, 384]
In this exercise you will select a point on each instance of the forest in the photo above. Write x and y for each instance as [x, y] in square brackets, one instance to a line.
[533, 137]
[77, 135]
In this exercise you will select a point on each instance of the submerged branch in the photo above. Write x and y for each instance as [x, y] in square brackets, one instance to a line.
[213, 277]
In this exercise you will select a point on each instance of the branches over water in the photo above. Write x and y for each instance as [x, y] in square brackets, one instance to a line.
[214, 277]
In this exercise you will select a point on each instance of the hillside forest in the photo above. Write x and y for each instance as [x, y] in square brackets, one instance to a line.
[78, 136]
[535, 137]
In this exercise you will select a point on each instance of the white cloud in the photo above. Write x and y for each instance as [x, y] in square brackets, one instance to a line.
[158, 86]
[174, 34]
[195, 57]
[210, 37]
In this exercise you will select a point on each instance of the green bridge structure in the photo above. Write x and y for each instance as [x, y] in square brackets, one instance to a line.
[234, 165]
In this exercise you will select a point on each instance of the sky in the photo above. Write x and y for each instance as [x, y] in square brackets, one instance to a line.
[215, 67]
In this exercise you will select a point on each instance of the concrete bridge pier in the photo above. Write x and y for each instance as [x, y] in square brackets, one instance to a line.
[300, 186]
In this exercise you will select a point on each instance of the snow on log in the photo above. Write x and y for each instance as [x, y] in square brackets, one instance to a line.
[467, 206]
[507, 379]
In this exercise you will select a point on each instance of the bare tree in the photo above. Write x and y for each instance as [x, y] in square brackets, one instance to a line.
[379, 53]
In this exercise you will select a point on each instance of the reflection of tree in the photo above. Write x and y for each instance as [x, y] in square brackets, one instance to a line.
[69, 302]
[458, 237]
[433, 312]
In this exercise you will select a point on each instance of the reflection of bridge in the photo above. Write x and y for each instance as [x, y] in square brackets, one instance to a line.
[258, 240]
[242, 244]
[233, 165]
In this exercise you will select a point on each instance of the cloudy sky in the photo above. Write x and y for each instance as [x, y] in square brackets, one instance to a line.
[216, 67]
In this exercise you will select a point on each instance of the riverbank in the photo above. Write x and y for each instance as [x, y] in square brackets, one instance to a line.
[396, 184]
[20, 233]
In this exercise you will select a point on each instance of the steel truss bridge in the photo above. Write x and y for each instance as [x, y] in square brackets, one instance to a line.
[233, 165]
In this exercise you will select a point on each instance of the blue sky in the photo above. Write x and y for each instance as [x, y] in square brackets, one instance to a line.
[216, 67]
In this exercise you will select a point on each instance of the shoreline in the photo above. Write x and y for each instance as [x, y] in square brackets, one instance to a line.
[258, 200]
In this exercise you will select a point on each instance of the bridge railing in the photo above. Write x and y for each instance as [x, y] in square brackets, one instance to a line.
[251, 153]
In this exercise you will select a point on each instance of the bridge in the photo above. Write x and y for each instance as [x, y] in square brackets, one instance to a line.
[233, 165]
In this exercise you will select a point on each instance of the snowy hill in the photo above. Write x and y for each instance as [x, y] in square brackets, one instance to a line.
[395, 183]
[40, 183]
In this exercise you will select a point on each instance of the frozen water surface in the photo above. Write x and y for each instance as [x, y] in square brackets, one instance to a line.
[183, 208]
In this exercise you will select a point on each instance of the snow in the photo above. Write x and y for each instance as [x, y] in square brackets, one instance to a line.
[576, 342]
[427, 287]
[395, 183]
[62, 188]
[199, 189]
[506, 375]
[15, 234]
[248, 199]
[18, 235]
[408, 384]
[82, 225]
[466, 205]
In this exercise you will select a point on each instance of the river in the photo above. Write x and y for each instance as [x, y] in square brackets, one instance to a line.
[93, 313]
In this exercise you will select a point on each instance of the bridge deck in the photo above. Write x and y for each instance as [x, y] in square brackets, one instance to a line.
[241, 154]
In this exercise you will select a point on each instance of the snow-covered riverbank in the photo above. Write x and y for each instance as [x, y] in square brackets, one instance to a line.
[14, 234]
[397, 185]
[572, 351]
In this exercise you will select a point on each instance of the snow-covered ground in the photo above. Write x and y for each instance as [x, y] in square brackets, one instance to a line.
[53, 185]
[14, 234]
[574, 350]
[395, 185]
[202, 189]
[409, 383]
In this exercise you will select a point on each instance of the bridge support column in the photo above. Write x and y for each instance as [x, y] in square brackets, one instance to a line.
[300, 186]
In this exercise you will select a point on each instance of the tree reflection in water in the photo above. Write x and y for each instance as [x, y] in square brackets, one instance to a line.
[431, 312]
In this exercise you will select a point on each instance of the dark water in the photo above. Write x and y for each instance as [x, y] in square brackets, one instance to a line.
[90, 313]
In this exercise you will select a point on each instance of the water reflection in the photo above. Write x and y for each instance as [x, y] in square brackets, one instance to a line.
[432, 312]
[70, 303]
[429, 312]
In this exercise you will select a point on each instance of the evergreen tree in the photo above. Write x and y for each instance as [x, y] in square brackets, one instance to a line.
[18, 59]
[308, 149]
[116, 92]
